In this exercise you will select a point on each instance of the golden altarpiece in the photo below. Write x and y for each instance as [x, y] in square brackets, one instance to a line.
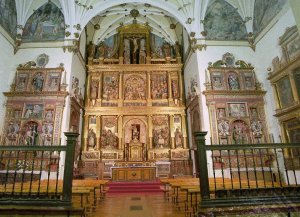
[235, 102]
[285, 80]
[134, 111]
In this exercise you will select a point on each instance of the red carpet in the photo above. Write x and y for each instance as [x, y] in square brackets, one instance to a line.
[134, 187]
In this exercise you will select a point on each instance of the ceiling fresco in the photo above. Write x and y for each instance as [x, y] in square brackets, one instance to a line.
[264, 12]
[45, 24]
[8, 16]
[41, 20]
[223, 22]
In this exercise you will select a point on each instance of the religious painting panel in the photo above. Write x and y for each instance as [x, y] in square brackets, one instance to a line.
[161, 154]
[135, 87]
[90, 155]
[254, 113]
[233, 81]
[179, 154]
[33, 111]
[8, 14]
[249, 80]
[29, 133]
[110, 86]
[74, 120]
[17, 113]
[292, 128]
[111, 47]
[109, 132]
[296, 75]
[161, 129]
[293, 48]
[53, 81]
[92, 120]
[157, 46]
[45, 24]
[223, 22]
[49, 114]
[240, 132]
[284, 92]
[159, 86]
[38, 81]
[13, 130]
[237, 110]
[47, 134]
[217, 81]
[221, 113]
[22, 81]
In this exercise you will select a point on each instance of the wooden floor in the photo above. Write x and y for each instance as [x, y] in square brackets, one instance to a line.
[136, 205]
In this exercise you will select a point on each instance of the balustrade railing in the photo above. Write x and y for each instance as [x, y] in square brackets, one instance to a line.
[248, 173]
[31, 174]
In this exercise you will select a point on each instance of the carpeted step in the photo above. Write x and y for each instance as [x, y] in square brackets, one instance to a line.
[134, 187]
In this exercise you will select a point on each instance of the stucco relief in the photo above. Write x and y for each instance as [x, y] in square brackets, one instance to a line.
[135, 88]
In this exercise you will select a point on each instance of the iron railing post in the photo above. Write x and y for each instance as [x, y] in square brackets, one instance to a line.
[203, 172]
[69, 163]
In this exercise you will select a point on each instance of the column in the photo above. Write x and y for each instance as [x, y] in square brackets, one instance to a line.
[150, 129]
[100, 88]
[170, 89]
[184, 130]
[120, 100]
[98, 131]
[148, 57]
[180, 82]
[149, 103]
[85, 131]
[172, 131]
[121, 49]
[120, 131]
[87, 102]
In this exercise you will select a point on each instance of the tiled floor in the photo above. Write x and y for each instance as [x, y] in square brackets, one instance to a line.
[136, 205]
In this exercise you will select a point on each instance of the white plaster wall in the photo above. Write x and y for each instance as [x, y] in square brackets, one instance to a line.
[7, 73]
[267, 49]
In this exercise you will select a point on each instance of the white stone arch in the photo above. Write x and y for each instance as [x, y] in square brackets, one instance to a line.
[100, 7]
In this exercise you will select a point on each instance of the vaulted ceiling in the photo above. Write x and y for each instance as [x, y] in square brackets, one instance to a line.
[210, 19]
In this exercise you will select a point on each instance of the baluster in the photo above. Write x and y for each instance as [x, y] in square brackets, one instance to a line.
[57, 174]
[49, 170]
[41, 170]
[262, 166]
[24, 169]
[246, 164]
[230, 168]
[254, 167]
[222, 169]
[15, 173]
[32, 169]
[7, 170]
[270, 168]
[238, 167]
[294, 171]
[278, 169]
[285, 168]
[214, 172]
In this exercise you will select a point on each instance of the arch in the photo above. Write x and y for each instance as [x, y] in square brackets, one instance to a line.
[102, 6]
[46, 24]
[128, 131]
[223, 22]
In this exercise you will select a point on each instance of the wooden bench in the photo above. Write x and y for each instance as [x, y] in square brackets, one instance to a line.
[41, 210]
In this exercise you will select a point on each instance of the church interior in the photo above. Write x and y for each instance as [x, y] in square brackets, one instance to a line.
[150, 108]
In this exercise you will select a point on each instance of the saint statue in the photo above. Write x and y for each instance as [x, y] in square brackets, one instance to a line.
[178, 138]
[38, 82]
[91, 50]
[91, 139]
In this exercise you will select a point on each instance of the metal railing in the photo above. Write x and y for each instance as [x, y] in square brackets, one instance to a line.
[31, 174]
[248, 174]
